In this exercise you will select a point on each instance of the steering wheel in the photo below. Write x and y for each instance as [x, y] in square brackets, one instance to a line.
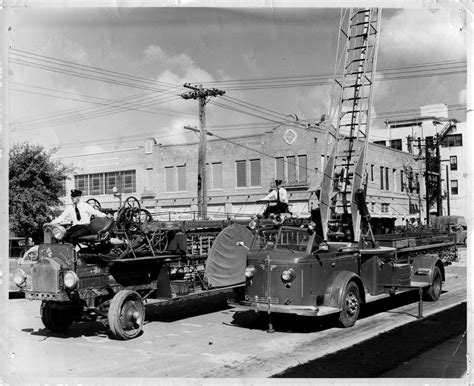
[94, 203]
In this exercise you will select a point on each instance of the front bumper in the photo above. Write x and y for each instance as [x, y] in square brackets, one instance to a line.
[61, 296]
[276, 308]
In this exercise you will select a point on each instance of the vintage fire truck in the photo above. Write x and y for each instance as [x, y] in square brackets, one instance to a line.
[129, 260]
[335, 264]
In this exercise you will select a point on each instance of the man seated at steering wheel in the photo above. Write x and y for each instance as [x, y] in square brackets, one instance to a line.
[80, 214]
[280, 195]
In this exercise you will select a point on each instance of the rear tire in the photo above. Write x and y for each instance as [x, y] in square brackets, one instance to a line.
[350, 306]
[434, 291]
[55, 318]
[126, 315]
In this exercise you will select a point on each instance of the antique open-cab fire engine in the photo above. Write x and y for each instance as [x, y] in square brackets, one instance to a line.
[126, 262]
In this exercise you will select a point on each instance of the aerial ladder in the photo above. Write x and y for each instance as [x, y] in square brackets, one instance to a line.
[347, 140]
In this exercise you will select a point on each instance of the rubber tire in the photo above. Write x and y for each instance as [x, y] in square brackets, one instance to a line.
[124, 324]
[434, 291]
[54, 318]
[351, 305]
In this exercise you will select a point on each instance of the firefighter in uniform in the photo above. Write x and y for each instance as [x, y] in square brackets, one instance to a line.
[280, 195]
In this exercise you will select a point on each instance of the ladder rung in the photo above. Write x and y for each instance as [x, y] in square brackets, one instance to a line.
[359, 13]
[353, 124]
[360, 47]
[355, 98]
[354, 85]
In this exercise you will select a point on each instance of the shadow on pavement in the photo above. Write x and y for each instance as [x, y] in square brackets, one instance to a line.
[386, 351]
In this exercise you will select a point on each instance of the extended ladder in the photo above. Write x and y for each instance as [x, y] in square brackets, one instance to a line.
[345, 167]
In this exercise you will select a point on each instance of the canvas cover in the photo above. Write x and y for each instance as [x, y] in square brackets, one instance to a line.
[226, 262]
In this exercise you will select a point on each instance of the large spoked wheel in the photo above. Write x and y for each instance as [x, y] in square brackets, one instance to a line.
[351, 305]
[94, 203]
[160, 240]
[126, 315]
[55, 318]
[434, 291]
[132, 202]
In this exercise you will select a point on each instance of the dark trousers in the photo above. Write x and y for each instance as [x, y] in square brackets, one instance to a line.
[73, 233]
[279, 207]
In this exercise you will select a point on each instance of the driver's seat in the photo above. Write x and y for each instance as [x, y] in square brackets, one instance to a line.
[101, 227]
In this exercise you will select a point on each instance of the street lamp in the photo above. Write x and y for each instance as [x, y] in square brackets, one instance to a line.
[117, 195]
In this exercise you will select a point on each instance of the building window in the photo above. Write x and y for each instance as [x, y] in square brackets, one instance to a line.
[169, 178]
[241, 170]
[103, 183]
[128, 181]
[280, 168]
[303, 168]
[453, 160]
[385, 208]
[381, 177]
[148, 180]
[372, 173]
[454, 187]
[291, 162]
[396, 144]
[452, 140]
[402, 182]
[82, 183]
[111, 182]
[96, 183]
[383, 143]
[216, 175]
[181, 178]
[255, 173]
[292, 169]
[387, 186]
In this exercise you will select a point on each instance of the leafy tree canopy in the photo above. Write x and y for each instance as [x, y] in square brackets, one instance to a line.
[36, 182]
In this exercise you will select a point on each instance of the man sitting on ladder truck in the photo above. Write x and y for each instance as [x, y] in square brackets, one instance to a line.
[279, 195]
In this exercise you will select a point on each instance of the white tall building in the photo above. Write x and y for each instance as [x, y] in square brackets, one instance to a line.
[412, 134]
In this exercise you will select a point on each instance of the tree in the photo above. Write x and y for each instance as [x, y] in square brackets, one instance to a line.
[36, 183]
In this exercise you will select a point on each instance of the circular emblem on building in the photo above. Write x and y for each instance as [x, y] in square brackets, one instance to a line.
[290, 136]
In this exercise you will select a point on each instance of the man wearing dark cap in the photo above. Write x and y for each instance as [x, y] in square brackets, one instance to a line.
[279, 195]
[80, 214]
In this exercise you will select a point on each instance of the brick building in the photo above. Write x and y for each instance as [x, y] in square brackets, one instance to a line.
[240, 172]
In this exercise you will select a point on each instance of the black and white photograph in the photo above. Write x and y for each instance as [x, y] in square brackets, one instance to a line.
[196, 192]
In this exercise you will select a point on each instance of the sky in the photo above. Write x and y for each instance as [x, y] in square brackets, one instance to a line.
[98, 79]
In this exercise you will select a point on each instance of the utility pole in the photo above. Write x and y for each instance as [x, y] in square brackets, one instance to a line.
[5, 149]
[201, 94]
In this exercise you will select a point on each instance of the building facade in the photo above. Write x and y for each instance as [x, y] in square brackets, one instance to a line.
[240, 171]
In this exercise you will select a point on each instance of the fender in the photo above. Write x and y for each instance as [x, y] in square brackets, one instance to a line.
[422, 268]
[336, 287]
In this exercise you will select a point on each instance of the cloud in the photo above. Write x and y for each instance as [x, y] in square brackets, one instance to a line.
[420, 34]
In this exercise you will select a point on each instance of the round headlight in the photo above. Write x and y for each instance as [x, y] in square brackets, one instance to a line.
[288, 275]
[19, 277]
[70, 279]
[250, 271]
[252, 224]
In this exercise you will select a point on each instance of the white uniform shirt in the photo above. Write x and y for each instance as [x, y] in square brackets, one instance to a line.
[274, 196]
[85, 210]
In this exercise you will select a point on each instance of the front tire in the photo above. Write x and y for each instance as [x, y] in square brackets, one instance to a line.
[434, 291]
[350, 306]
[55, 318]
[126, 315]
